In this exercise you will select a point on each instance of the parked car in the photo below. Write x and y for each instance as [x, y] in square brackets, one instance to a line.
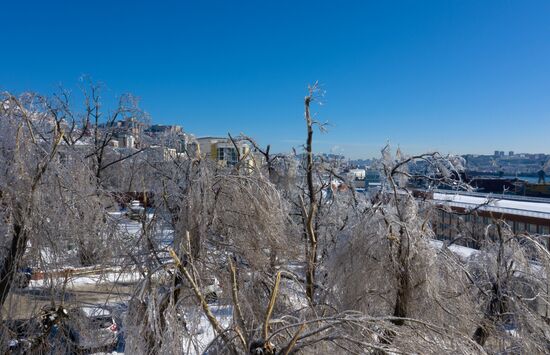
[136, 211]
[92, 329]
[19, 332]
[23, 277]
[212, 290]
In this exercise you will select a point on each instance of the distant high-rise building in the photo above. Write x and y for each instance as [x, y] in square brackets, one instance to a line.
[158, 128]
[511, 153]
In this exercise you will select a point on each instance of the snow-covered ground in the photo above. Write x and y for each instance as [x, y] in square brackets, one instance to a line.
[90, 279]
[463, 252]
[202, 333]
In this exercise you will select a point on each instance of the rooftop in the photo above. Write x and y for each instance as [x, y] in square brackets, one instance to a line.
[516, 205]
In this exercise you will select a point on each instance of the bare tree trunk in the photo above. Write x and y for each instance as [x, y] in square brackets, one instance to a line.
[403, 283]
[402, 300]
[497, 304]
[11, 261]
[20, 233]
[311, 251]
[268, 159]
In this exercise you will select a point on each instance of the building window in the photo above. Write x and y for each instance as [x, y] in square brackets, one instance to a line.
[532, 228]
[229, 155]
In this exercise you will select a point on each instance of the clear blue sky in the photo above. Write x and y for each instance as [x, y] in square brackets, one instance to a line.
[454, 76]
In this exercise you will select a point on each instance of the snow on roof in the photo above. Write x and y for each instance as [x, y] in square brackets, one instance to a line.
[211, 138]
[493, 204]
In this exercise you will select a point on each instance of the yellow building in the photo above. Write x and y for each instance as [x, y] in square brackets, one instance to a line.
[224, 151]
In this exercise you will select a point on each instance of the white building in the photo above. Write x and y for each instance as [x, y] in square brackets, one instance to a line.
[357, 174]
